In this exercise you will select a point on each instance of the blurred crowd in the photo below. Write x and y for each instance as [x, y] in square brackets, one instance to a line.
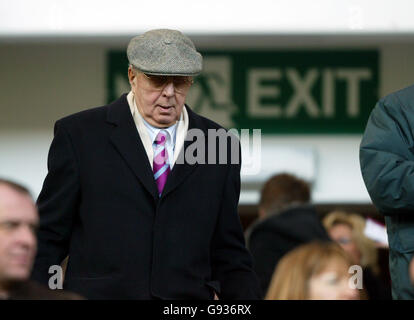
[298, 254]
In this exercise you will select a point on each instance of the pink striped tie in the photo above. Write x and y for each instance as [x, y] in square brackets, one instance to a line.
[161, 168]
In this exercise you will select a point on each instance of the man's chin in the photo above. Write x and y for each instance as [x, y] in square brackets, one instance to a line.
[166, 121]
[18, 275]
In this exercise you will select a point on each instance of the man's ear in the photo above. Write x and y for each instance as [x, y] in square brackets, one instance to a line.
[131, 75]
[261, 213]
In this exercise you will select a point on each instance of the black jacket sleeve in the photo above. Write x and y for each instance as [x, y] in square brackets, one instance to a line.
[58, 204]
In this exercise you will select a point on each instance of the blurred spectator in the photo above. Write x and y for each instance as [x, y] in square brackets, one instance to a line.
[347, 229]
[314, 271]
[286, 220]
[387, 165]
[18, 224]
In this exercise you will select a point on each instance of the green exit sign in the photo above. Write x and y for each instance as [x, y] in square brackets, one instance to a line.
[301, 91]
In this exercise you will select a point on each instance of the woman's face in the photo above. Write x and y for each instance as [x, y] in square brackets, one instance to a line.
[332, 283]
[342, 234]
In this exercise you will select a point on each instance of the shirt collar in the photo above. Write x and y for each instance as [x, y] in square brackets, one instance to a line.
[153, 131]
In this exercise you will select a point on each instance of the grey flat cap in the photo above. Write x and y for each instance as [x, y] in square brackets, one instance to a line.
[164, 52]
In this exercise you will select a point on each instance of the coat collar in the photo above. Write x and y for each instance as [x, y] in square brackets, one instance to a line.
[127, 141]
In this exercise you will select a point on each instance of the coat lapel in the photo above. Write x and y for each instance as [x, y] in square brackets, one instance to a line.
[126, 140]
[182, 170]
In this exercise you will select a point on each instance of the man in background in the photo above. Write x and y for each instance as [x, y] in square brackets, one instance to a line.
[18, 224]
[286, 220]
[387, 166]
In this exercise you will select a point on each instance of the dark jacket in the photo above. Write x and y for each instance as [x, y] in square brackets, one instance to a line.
[387, 154]
[100, 205]
[375, 288]
[30, 290]
[270, 239]
[387, 166]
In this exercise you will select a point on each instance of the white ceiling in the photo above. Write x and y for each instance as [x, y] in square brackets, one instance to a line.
[23, 18]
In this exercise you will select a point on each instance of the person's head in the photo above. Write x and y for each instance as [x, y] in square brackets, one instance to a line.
[18, 223]
[162, 64]
[314, 271]
[347, 229]
[281, 191]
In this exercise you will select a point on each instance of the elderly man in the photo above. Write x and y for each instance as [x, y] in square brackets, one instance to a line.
[135, 222]
[18, 224]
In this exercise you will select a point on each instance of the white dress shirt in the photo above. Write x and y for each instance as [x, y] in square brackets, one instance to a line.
[169, 143]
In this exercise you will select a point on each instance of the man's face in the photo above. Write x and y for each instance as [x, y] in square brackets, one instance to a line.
[18, 223]
[160, 99]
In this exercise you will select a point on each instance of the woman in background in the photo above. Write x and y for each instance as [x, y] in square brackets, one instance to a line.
[314, 271]
[347, 229]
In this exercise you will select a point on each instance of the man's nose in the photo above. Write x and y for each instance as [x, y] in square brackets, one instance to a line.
[25, 236]
[169, 89]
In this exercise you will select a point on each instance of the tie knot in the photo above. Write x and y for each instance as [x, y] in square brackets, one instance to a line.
[161, 138]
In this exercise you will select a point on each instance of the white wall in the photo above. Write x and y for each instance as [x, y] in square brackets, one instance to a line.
[43, 81]
[50, 17]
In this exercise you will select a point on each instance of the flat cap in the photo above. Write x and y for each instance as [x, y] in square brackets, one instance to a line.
[164, 52]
